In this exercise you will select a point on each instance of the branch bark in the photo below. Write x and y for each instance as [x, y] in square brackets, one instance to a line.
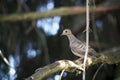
[57, 66]
[63, 11]
[111, 56]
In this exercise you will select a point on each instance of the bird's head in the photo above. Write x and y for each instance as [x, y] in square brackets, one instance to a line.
[66, 32]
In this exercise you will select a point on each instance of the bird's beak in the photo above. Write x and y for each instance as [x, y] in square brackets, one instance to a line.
[62, 34]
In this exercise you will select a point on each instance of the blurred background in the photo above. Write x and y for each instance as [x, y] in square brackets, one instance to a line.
[29, 45]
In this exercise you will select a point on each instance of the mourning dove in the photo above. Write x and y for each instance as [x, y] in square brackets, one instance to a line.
[78, 47]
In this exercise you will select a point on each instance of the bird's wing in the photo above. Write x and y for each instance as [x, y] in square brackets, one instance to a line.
[93, 53]
[78, 47]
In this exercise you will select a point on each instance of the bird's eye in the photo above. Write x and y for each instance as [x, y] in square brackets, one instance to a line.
[66, 31]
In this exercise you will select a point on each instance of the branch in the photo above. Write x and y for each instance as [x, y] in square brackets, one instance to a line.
[111, 56]
[53, 68]
[63, 11]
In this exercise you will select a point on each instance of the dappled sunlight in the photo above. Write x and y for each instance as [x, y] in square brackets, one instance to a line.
[99, 24]
[31, 52]
[12, 72]
[49, 25]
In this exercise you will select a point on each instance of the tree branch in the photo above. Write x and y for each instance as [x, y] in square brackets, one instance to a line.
[63, 11]
[111, 56]
[57, 66]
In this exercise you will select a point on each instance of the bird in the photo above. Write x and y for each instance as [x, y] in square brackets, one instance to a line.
[77, 46]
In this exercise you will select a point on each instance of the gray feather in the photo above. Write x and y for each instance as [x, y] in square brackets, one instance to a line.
[78, 47]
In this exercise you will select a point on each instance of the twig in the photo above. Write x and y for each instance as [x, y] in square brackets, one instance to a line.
[87, 38]
[4, 59]
[94, 26]
[61, 74]
[97, 71]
